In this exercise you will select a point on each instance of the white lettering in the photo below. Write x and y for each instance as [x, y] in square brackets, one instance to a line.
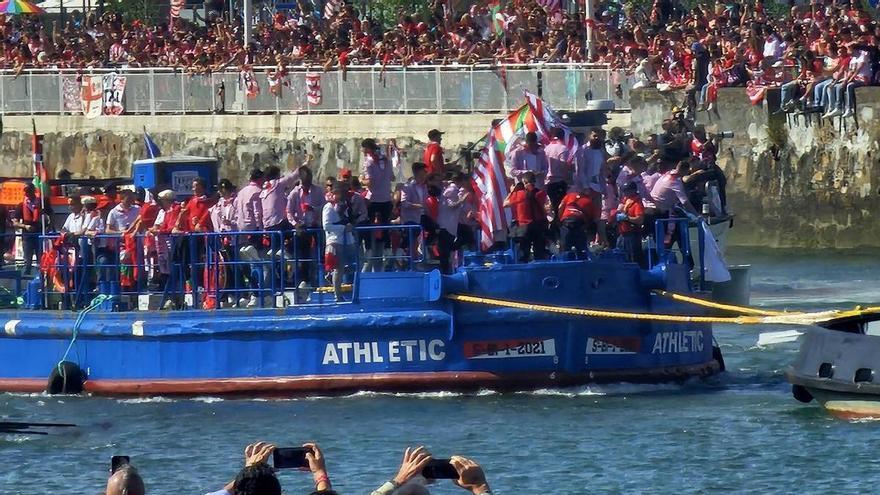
[423, 355]
[377, 358]
[678, 342]
[409, 344]
[344, 348]
[435, 350]
[394, 351]
[330, 356]
[362, 352]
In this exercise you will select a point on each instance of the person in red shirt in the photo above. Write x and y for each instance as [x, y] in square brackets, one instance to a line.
[630, 218]
[194, 217]
[577, 216]
[433, 157]
[530, 208]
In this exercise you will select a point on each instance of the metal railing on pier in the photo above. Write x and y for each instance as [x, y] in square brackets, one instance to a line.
[359, 89]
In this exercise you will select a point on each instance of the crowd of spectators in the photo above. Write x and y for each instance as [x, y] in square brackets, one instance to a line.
[725, 43]
[417, 473]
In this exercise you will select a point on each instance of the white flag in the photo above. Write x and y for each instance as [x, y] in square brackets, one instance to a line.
[716, 267]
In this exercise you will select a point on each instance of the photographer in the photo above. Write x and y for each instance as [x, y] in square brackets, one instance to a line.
[258, 478]
[408, 480]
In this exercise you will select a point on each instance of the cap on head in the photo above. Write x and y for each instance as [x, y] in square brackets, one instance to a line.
[89, 200]
[166, 194]
[434, 134]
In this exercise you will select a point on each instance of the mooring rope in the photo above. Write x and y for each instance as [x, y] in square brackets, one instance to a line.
[778, 319]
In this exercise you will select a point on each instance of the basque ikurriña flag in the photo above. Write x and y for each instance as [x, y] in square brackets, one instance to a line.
[41, 175]
[490, 179]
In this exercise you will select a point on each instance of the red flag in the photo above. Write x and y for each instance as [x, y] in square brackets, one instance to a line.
[490, 185]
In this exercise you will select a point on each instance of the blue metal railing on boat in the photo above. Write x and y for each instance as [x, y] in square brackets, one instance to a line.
[207, 270]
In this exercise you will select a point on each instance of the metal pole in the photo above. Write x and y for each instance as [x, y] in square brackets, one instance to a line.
[588, 15]
[248, 12]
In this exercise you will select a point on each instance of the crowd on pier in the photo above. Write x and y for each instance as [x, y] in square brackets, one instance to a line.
[605, 194]
[258, 476]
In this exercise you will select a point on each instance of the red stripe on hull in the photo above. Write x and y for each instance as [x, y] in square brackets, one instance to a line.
[389, 382]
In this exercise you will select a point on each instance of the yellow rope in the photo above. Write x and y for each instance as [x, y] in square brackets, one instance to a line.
[781, 319]
[726, 307]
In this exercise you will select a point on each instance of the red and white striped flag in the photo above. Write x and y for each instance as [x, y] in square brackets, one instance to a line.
[331, 8]
[176, 6]
[490, 185]
[546, 120]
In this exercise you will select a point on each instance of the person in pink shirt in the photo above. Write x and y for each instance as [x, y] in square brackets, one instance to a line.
[273, 198]
[560, 168]
[451, 203]
[412, 204]
[248, 206]
[304, 206]
[377, 177]
[530, 158]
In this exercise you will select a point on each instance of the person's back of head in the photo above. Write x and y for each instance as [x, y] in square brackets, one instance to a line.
[272, 172]
[125, 481]
[258, 479]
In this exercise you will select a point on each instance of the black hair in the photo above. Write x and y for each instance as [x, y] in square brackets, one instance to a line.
[272, 172]
[256, 174]
[417, 166]
[258, 479]
[201, 181]
[531, 137]
[529, 177]
[370, 144]
[226, 185]
[559, 133]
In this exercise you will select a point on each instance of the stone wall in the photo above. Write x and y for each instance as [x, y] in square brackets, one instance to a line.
[792, 182]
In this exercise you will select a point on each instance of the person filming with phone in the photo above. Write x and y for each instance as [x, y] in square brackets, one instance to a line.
[419, 469]
[258, 478]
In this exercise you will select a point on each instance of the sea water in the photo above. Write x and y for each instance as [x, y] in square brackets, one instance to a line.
[735, 433]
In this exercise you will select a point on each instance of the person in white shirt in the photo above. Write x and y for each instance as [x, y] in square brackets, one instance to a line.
[338, 233]
[76, 220]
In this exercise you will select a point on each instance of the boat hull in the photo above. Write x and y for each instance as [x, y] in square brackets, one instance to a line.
[394, 338]
[837, 369]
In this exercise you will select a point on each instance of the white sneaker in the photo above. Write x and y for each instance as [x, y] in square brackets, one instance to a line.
[303, 285]
[833, 113]
[847, 114]
[252, 302]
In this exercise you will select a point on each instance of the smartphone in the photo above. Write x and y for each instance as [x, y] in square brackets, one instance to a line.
[440, 469]
[117, 461]
[290, 457]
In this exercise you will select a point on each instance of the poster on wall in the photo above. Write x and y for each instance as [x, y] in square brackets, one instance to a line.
[114, 92]
[91, 96]
[70, 90]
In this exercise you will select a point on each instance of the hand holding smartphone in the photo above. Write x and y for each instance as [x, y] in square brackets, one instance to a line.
[117, 461]
[440, 469]
[290, 458]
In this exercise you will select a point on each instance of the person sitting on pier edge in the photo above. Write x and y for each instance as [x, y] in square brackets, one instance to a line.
[433, 156]
[529, 158]
[630, 218]
[412, 205]
[340, 244]
[451, 204]
[304, 208]
[377, 177]
[258, 478]
[559, 169]
[530, 207]
[30, 215]
[577, 215]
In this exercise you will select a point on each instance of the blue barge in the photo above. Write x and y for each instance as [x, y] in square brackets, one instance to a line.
[399, 332]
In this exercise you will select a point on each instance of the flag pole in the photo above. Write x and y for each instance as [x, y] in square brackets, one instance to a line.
[35, 145]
